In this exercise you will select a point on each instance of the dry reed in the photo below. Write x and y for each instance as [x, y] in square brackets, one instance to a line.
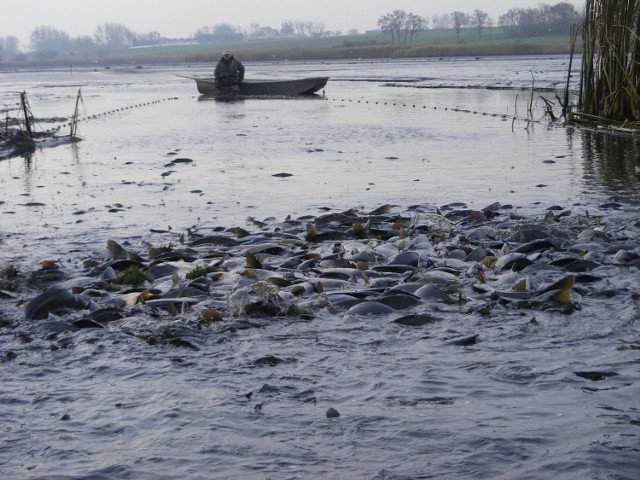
[611, 61]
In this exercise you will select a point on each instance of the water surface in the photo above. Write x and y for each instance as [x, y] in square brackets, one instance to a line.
[102, 403]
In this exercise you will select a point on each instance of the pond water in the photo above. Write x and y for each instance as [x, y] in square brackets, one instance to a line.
[376, 137]
[419, 135]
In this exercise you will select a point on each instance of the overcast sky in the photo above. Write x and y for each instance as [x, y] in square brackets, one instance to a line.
[182, 18]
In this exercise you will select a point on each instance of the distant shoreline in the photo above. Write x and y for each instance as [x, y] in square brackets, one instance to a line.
[357, 52]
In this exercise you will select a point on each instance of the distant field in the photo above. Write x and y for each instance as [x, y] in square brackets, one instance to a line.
[430, 43]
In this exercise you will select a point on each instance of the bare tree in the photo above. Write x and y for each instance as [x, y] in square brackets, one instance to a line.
[83, 46]
[561, 16]
[287, 29]
[441, 21]
[49, 42]
[9, 47]
[254, 30]
[258, 31]
[459, 19]
[479, 20]
[393, 23]
[114, 35]
[300, 28]
[224, 29]
[490, 24]
[384, 22]
[530, 20]
[509, 22]
[414, 24]
[544, 20]
[151, 38]
[316, 29]
[221, 32]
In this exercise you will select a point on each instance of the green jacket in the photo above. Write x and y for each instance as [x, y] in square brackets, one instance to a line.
[229, 72]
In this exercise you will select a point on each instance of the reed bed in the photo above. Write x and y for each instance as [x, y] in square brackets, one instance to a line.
[610, 61]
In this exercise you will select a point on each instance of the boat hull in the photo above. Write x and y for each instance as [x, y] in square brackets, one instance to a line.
[287, 88]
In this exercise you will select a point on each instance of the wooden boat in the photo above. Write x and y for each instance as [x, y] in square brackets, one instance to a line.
[285, 88]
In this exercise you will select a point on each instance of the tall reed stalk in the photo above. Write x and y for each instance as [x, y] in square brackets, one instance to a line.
[609, 87]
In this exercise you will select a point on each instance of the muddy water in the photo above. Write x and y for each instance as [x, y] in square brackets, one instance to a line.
[376, 137]
[104, 404]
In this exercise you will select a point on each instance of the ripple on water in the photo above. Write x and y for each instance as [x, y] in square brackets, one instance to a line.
[489, 390]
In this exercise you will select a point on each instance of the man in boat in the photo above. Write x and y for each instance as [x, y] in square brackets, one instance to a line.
[229, 73]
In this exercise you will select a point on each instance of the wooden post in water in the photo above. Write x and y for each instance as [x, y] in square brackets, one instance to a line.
[74, 118]
[25, 111]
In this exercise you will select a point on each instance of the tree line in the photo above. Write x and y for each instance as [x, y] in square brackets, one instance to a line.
[48, 43]
[288, 29]
[545, 19]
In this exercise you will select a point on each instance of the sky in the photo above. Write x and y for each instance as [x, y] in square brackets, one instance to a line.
[182, 18]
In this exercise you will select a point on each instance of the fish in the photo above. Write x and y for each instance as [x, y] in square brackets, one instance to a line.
[370, 308]
[53, 301]
[416, 320]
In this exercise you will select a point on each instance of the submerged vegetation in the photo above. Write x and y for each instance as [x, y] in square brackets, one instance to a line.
[131, 276]
[611, 63]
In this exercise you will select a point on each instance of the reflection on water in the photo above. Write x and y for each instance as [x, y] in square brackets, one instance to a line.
[612, 160]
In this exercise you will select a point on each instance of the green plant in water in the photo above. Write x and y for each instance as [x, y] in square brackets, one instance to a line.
[10, 278]
[11, 272]
[131, 276]
[200, 272]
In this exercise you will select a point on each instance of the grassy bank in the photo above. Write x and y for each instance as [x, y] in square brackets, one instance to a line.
[389, 51]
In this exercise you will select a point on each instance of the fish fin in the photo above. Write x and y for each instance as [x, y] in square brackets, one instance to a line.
[564, 283]
[521, 286]
[312, 231]
[562, 295]
[241, 232]
[211, 315]
[252, 261]
[382, 210]
[361, 230]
